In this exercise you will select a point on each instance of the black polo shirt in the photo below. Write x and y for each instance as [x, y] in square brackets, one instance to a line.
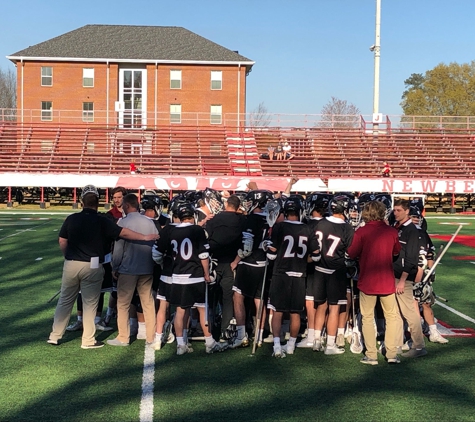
[87, 232]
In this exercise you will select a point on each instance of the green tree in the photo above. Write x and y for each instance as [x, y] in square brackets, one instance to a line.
[446, 90]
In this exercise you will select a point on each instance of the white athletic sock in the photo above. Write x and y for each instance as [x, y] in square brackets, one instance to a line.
[310, 335]
[158, 336]
[433, 329]
[291, 341]
[241, 331]
[180, 341]
[330, 341]
[209, 341]
[97, 319]
[80, 318]
[142, 327]
[276, 341]
[340, 331]
[318, 334]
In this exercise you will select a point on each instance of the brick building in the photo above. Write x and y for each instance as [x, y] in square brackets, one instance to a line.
[131, 76]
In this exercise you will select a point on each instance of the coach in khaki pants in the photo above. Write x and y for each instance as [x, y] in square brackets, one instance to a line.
[132, 265]
[376, 244]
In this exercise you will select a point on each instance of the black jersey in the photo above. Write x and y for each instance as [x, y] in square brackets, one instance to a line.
[312, 223]
[409, 237]
[334, 237]
[161, 247]
[293, 241]
[426, 248]
[189, 246]
[258, 228]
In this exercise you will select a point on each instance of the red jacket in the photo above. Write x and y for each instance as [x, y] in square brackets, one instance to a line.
[375, 244]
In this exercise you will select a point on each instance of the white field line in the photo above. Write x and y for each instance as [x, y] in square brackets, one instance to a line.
[148, 380]
[23, 231]
[454, 311]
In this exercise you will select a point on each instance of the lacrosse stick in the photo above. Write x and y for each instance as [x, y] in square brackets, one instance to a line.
[272, 211]
[356, 346]
[54, 296]
[206, 305]
[432, 269]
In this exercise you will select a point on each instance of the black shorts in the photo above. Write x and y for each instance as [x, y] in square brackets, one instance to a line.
[187, 295]
[287, 294]
[107, 281]
[248, 281]
[164, 287]
[330, 287]
[310, 286]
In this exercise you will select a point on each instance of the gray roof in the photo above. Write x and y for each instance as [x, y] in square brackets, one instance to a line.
[128, 42]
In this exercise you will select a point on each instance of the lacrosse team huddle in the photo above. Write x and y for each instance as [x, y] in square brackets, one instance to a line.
[317, 272]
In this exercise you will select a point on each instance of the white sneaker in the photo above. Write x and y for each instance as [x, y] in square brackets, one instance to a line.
[340, 340]
[317, 345]
[181, 350]
[305, 344]
[437, 338]
[288, 349]
[269, 339]
[216, 347]
[407, 346]
[102, 326]
[76, 326]
[278, 352]
[240, 342]
[333, 350]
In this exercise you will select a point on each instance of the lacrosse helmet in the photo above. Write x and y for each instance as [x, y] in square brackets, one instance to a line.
[365, 198]
[174, 204]
[354, 213]
[317, 201]
[340, 204]
[386, 200]
[294, 204]
[257, 199]
[186, 210]
[213, 200]
[89, 189]
[151, 201]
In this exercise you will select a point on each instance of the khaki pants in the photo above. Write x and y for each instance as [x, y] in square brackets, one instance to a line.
[126, 285]
[78, 276]
[407, 311]
[389, 305]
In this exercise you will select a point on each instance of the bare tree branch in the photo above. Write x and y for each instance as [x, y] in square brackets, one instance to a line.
[340, 114]
[259, 117]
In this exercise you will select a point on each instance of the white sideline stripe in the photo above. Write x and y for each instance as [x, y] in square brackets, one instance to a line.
[148, 379]
[22, 231]
[466, 317]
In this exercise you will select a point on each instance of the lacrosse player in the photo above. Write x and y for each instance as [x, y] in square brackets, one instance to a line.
[290, 245]
[190, 251]
[376, 242]
[334, 235]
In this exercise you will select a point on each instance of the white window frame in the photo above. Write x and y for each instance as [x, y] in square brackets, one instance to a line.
[216, 80]
[175, 76]
[175, 110]
[88, 75]
[87, 115]
[44, 76]
[216, 110]
[46, 114]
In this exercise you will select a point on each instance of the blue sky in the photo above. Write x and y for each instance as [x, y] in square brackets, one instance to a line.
[306, 51]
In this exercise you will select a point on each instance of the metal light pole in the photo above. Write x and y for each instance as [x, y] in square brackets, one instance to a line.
[376, 48]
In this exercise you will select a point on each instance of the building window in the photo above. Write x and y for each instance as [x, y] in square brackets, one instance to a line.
[46, 76]
[175, 113]
[46, 110]
[87, 112]
[216, 79]
[216, 115]
[175, 79]
[88, 77]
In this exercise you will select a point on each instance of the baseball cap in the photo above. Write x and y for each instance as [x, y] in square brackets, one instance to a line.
[89, 189]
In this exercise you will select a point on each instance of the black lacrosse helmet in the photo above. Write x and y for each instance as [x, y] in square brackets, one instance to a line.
[151, 201]
[257, 199]
[340, 204]
[294, 204]
[186, 210]
[317, 201]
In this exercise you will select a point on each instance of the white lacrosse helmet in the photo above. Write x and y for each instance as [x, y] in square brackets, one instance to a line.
[89, 189]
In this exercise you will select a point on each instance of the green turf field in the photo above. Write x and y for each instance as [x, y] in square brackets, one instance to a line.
[41, 382]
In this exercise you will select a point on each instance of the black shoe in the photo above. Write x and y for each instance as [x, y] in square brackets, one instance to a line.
[96, 345]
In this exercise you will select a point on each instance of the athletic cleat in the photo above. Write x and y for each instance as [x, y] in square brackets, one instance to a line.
[141, 336]
[415, 353]
[181, 350]
[304, 344]
[407, 346]
[240, 342]
[340, 340]
[368, 361]
[269, 339]
[102, 326]
[333, 350]
[97, 344]
[216, 347]
[116, 342]
[437, 338]
[52, 342]
[76, 326]
[288, 350]
[278, 352]
[394, 360]
[317, 345]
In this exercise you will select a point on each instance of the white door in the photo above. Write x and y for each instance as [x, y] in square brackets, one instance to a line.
[133, 96]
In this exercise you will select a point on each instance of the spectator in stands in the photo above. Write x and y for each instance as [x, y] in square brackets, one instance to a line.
[387, 171]
[133, 168]
[287, 151]
[279, 154]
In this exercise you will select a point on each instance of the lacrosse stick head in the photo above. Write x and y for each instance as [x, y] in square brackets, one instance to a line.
[356, 345]
[272, 212]
[213, 200]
